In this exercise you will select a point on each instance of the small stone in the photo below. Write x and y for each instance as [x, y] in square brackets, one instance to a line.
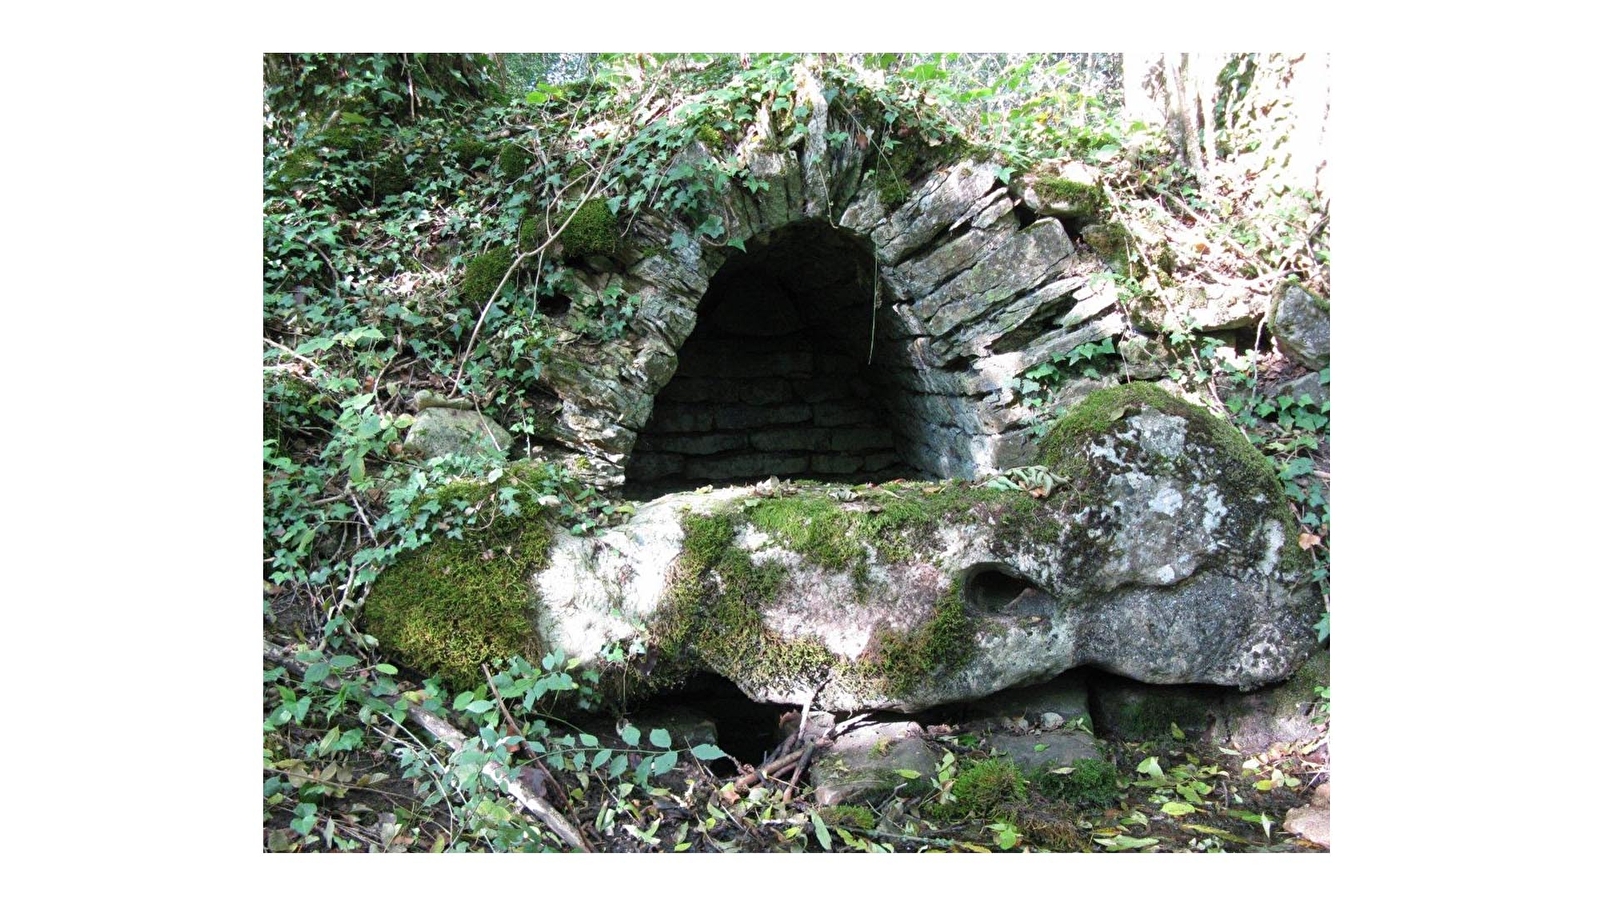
[1302, 324]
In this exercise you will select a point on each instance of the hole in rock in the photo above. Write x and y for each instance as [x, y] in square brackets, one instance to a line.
[993, 589]
[775, 378]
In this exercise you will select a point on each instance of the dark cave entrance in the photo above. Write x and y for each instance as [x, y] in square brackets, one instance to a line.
[775, 378]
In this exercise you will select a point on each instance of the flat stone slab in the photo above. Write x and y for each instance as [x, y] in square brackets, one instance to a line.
[866, 764]
[1049, 750]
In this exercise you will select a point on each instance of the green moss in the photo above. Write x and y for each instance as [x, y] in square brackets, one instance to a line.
[849, 816]
[512, 161]
[390, 177]
[483, 275]
[1109, 241]
[892, 176]
[530, 235]
[812, 526]
[470, 152]
[449, 607]
[712, 612]
[983, 790]
[709, 136]
[943, 642]
[1090, 784]
[297, 166]
[1084, 199]
[592, 231]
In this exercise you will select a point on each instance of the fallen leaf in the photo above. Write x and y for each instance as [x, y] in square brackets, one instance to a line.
[1308, 540]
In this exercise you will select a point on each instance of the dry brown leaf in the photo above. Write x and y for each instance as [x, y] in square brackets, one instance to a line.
[1308, 540]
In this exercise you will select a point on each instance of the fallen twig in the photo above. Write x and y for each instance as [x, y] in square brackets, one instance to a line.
[799, 772]
[510, 724]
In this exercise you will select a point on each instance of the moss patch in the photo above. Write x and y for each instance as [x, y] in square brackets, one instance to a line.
[1109, 241]
[1090, 784]
[390, 177]
[447, 608]
[815, 527]
[470, 152]
[849, 816]
[512, 161]
[712, 612]
[483, 275]
[943, 642]
[983, 789]
[1083, 199]
[592, 231]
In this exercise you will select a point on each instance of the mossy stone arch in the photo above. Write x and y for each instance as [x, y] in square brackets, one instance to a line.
[828, 331]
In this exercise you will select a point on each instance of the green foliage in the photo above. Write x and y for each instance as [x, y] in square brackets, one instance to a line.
[1038, 385]
[1183, 789]
[316, 736]
[605, 316]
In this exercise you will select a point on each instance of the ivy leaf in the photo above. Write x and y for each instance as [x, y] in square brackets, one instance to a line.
[822, 835]
[1123, 842]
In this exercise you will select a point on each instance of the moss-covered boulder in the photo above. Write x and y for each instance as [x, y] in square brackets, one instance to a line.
[457, 603]
[1163, 552]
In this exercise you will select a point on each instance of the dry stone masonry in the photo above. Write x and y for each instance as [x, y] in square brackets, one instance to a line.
[851, 339]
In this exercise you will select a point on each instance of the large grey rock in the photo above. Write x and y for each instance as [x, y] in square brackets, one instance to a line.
[1302, 324]
[1165, 556]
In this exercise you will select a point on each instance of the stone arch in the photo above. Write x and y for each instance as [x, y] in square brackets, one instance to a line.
[975, 281]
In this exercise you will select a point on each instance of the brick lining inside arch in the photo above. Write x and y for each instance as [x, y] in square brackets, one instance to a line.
[775, 378]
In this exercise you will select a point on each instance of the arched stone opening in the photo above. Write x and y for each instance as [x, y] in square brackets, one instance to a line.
[784, 373]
